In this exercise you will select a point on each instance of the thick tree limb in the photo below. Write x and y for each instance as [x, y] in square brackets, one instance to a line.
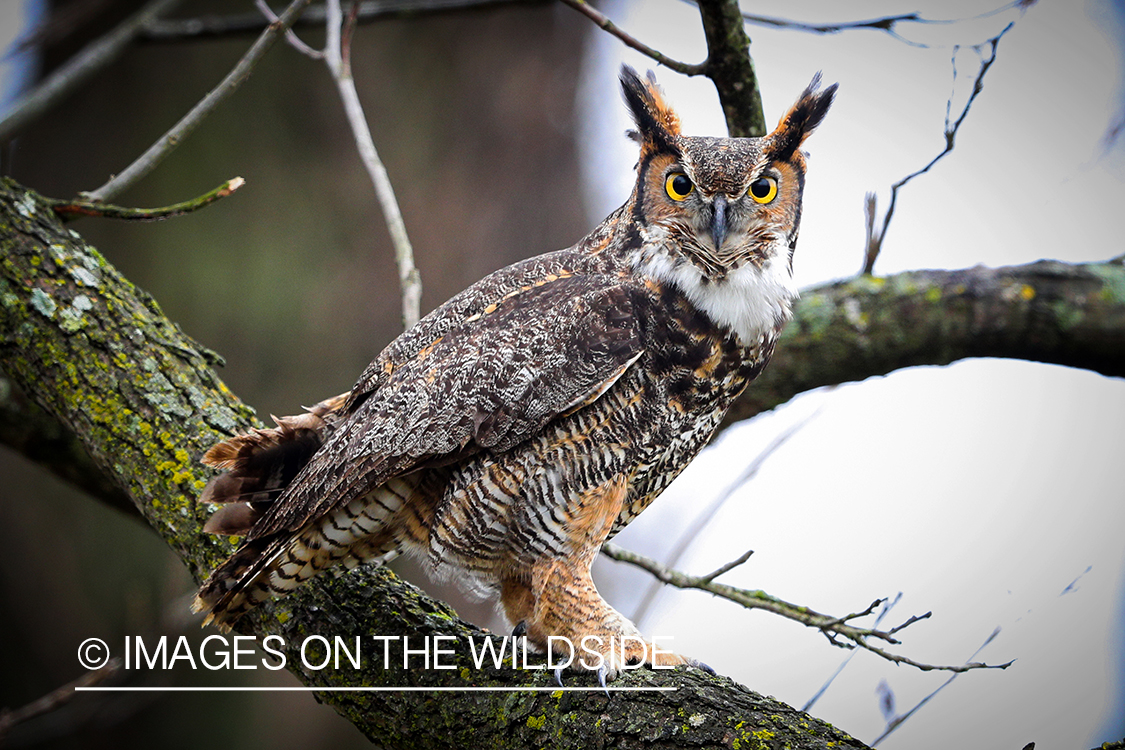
[850, 330]
[97, 353]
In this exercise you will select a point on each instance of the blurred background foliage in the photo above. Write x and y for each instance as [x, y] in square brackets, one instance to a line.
[292, 280]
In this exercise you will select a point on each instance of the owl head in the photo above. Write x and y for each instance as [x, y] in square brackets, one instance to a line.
[718, 217]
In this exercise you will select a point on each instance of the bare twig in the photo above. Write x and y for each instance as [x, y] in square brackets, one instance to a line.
[728, 63]
[897, 721]
[290, 35]
[887, 24]
[875, 238]
[833, 628]
[727, 567]
[337, 54]
[72, 209]
[871, 236]
[79, 68]
[168, 142]
[603, 22]
[55, 699]
[887, 607]
[188, 29]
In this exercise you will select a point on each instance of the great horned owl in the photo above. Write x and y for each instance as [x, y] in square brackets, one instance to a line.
[518, 426]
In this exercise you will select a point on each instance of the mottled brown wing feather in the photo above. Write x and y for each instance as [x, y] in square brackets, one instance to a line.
[490, 381]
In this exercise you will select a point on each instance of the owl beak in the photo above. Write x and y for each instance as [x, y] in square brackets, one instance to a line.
[719, 220]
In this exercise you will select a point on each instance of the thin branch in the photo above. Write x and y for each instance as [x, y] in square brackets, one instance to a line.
[290, 35]
[887, 607]
[603, 22]
[94, 57]
[896, 722]
[875, 239]
[170, 140]
[830, 626]
[72, 209]
[887, 24]
[727, 567]
[337, 55]
[728, 63]
[55, 699]
[189, 29]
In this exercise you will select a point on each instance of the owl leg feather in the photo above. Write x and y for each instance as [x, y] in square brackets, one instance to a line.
[560, 608]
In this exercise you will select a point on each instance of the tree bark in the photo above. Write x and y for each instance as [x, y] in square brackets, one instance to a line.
[1058, 313]
[731, 69]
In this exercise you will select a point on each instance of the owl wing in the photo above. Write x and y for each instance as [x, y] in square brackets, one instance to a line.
[493, 378]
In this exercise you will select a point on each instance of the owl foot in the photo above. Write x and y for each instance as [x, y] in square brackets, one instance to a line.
[611, 653]
[560, 611]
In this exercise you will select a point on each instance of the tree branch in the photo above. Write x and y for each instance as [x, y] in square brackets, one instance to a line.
[610, 27]
[72, 209]
[55, 699]
[189, 122]
[728, 62]
[874, 238]
[827, 624]
[190, 29]
[887, 24]
[731, 69]
[338, 56]
[1047, 311]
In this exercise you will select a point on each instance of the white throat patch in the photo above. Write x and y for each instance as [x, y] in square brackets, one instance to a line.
[750, 301]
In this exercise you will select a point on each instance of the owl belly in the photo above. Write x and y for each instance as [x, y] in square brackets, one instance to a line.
[502, 512]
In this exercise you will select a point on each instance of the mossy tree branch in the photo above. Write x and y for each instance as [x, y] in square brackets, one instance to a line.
[1051, 312]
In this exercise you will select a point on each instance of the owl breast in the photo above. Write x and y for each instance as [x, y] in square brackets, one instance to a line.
[517, 506]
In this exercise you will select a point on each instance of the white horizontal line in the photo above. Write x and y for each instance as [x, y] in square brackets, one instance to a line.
[114, 689]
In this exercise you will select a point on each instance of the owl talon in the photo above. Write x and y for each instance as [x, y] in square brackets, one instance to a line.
[520, 629]
[700, 665]
[601, 679]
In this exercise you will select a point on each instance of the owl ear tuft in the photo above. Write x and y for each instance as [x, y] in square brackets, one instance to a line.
[801, 119]
[657, 124]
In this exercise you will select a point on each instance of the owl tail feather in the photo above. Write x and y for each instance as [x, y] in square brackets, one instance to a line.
[260, 465]
[225, 596]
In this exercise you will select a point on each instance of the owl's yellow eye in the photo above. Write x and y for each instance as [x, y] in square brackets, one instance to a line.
[678, 186]
[763, 189]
